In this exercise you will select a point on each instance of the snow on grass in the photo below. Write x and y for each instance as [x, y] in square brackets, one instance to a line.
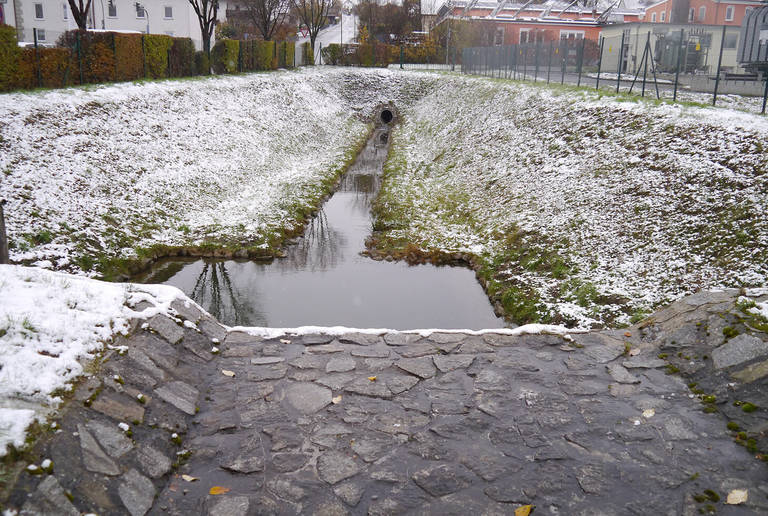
[51, 324]
[99, 173]
[581, 209]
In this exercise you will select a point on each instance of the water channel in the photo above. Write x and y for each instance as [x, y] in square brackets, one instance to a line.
[324, 280]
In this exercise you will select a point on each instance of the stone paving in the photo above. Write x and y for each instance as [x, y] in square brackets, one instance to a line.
[648, 420]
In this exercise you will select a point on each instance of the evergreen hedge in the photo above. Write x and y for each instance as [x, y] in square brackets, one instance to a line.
[9, 57]
[156, 48]
[226, 56]
[94, 57]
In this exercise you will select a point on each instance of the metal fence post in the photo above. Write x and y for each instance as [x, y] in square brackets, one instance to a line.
[3, 237]
[536, 64]
[679, 60]
[37, 60]
[581, 59]
[563, 60]
[79, 46]
[599, 63]
[765, 92]
[719, 64]
[621, 61]
[549, 61]
[647, 58]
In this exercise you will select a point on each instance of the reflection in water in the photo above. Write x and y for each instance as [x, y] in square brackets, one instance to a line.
[323, 280]
[214, 291]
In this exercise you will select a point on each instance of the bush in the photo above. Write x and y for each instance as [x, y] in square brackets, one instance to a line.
[290, 54]
[95, 52]
[182, 58]
[156, 48]
[308, 57]
[202, 63]
[56, 67]
[225, 56]
[129, 57]
[264, 55]
[332, 54]
[9, 57]
[26, 70]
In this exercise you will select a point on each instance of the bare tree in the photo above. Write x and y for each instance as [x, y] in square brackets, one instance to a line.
[207, 11]
[313, 14]
[80, 11]
[267, 15]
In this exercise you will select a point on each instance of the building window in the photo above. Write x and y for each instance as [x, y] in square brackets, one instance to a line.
[40, 35]
[691, 14]
[571, 34]
[663, 16]
[653, 17]
[111, 9]
[38, 11]
[140, 11]
[731, 41]
[168, 12]
[524, 35]
[65, 9]
[729, 13]
[702, 13]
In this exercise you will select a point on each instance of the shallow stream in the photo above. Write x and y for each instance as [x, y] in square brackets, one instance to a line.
[324, 280]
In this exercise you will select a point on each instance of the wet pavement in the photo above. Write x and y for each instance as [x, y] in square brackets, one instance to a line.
[325, 281]
[667, 417]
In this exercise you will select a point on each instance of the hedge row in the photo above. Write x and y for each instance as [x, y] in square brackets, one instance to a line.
[95, 57]
[231, 55]
[382, 54]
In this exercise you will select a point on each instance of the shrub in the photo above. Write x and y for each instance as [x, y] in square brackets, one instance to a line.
[156, 48]
[264, 55]
[202, 63]
[26, 70]
[94, 51]
[332, 54]
[56, 67]
[308, 57]
[129, 57]
[182, 57]
[99, 63]
[290, 54]
[225, 56]
[9, 57]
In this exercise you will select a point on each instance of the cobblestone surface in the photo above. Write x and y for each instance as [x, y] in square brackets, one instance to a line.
[667, 417]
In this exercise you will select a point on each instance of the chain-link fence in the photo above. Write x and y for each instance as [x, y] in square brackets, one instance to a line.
[694, 65]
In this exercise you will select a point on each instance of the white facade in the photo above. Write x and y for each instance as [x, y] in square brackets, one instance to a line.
[53, 17]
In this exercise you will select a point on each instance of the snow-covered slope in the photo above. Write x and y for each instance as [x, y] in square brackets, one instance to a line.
[100, 172]
[591, 208]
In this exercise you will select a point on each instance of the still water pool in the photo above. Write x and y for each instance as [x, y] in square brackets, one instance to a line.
[325, 281]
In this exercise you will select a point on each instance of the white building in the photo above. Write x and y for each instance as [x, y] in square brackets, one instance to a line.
[53, 17]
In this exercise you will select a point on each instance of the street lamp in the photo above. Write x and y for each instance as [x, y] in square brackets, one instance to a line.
[141, 8]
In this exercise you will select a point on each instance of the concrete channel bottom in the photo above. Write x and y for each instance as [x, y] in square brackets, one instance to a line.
[189, 419]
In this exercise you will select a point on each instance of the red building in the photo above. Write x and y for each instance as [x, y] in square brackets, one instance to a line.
[703, 12]
[526, 22]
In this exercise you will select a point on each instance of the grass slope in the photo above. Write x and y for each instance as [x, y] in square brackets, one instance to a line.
[574, 208]
[106, 179]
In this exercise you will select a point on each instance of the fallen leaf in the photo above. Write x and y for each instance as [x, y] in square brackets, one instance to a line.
[633, 352]
[226, 372]
[649, 413]
[217, 490]
[189, 478]
[336, 400]
[525, 510]
[737, 496]
[285, 341]
[372, 378]
[627, 333]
